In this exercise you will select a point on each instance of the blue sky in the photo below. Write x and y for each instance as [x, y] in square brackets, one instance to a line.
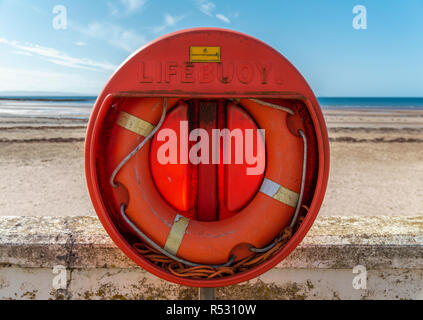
[318, 37]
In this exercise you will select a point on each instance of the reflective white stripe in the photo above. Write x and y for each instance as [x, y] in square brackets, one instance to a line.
[269, 187]
[280, 193]
[176, 234]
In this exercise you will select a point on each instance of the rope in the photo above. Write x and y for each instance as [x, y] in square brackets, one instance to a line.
[208, 272]
[139, 146]
[274, 106]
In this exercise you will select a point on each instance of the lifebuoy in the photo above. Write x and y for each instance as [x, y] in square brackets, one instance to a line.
[149, 216]
[213, 242]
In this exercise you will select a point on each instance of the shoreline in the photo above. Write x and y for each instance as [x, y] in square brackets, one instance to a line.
[45, 100]
[376, 165]
[327, 111]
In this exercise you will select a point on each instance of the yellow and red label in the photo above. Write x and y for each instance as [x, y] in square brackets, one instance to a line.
[204, 54]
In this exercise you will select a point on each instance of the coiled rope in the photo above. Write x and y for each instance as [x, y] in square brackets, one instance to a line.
[208, 272]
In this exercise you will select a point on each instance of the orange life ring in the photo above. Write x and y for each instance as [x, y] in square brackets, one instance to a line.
[200, 242]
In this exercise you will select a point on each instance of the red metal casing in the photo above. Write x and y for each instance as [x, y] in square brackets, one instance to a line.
[248, 68]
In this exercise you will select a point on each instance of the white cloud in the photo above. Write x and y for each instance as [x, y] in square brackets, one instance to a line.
[126, 39]
[223, 18]
[169, 21]
[23, 53]
[38, 10]
[133, 5]
[80, 44]
[16, 79]
[206, 7]
[54, 56]
[114, 10]
[125, 7]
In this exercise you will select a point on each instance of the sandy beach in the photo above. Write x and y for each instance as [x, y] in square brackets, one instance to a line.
[376, 165]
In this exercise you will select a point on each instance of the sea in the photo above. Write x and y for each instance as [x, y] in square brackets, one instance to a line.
[79, 107]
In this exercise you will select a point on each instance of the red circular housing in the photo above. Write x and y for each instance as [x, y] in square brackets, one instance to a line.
[208, 79]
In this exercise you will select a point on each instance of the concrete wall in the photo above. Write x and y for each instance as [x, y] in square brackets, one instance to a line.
[73, 258]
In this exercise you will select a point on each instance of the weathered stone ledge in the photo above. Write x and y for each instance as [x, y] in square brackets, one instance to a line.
[390, 249]
[332, 243]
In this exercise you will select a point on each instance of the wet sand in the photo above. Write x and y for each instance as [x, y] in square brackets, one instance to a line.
[376, 165]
